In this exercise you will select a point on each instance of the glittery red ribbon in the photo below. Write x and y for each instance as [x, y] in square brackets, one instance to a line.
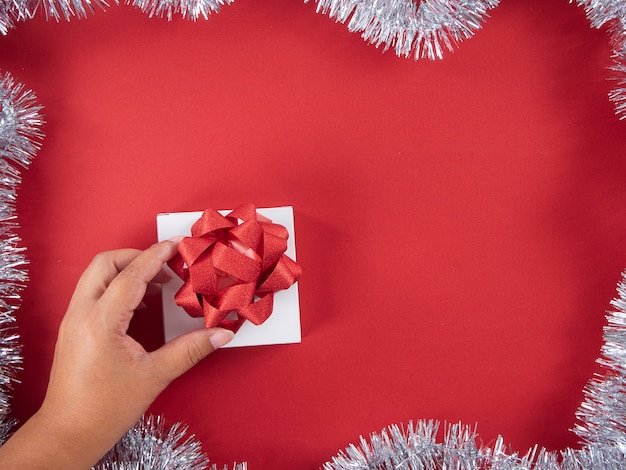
[233, 263]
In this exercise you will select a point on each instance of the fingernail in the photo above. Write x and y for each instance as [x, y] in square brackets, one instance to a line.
[221, 337]
[176, 239]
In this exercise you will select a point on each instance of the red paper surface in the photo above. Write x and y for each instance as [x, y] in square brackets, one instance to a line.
[460, 223]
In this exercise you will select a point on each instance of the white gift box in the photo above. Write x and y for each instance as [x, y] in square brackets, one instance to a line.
[283, 325]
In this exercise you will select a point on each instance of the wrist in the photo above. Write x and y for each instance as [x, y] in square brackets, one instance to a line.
[45, 443]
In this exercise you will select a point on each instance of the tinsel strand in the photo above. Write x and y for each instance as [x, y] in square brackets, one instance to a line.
[20, 132]
[418, 447]
[192, 9]
[600, 12]
[6, 17]
[67, 9]
[603, 413]
[12, 11]
[20, 139]
[613, 14]
[151, 445]
[423, 29]
[10, 361]
[618, 40]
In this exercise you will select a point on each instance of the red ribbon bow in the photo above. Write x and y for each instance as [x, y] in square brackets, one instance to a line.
[233, 263]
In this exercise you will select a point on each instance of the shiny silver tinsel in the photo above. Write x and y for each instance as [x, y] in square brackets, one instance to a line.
[67, 9]
[601, 12]
[149, 445]
[419, 447]
[618, 93]
[613, 14]
[20, 137]
[10, 361]
[12, 11]
[423, 29]
[7, 16]
[602, 428]
[192, 9]
[603, 413]
[618, 41]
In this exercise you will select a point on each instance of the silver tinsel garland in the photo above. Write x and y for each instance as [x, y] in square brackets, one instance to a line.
[151, 445]
[20, 137]
[6, 17]
[423, 29]
[618, 93]
[66, 9]
[618, 41]
[192, 9]
[10, 360]
[12, 11]
[613, 14]
[603, 413]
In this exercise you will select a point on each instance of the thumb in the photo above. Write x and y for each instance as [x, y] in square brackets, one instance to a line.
[182, 353]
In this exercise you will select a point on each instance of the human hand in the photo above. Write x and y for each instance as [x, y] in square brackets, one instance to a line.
[102, 380]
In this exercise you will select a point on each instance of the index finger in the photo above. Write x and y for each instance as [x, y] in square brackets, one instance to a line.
[126, 290]
[100, 273]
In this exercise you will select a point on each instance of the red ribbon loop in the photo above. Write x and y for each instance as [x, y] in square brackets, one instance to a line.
[233, 263]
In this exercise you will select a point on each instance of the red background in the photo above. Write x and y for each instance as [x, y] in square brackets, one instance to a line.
[460, 223]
